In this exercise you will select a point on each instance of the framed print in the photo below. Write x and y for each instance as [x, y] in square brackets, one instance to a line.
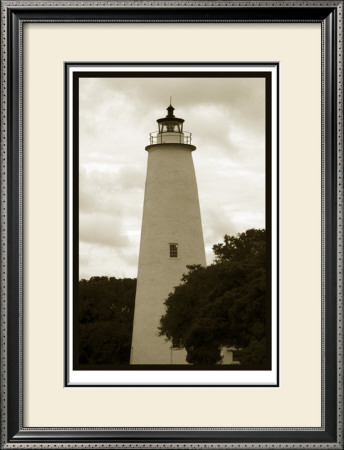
[171, 224]
[144, 357]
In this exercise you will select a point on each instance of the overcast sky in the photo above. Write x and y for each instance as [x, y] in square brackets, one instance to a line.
[226, 117]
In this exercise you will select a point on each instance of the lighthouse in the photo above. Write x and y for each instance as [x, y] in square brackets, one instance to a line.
[171, 237]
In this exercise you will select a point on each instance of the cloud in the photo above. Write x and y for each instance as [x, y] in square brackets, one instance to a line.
[95, 260]
[102, 229]
[110, 211]
[226, 117]
[111, 191]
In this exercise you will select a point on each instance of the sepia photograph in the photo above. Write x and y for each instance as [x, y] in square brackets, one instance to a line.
[172, 207]
[171, 224]
[172, 261]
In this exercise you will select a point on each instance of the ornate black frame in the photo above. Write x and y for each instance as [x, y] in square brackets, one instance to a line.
[14, 15]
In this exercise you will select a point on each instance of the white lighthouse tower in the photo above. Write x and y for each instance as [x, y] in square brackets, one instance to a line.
[171, 237]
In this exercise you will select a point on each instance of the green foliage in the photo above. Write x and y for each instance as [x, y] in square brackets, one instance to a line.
[223, 304]
[105, 316]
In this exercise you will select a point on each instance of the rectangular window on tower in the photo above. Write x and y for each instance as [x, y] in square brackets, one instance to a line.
[173, 250]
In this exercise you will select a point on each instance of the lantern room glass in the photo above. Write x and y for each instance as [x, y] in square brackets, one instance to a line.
[170, 127]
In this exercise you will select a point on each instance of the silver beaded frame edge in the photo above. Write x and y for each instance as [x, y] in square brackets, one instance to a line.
[4, 205]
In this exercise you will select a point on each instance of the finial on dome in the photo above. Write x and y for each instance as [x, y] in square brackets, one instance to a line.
[170, 109]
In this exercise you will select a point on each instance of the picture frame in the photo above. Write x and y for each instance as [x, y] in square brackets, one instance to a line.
[262, 78]
[16, 428]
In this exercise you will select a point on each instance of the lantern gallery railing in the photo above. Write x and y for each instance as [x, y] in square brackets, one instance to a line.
[169, 137]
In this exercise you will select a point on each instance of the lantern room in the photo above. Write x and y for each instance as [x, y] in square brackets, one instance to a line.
[170, 123]
[170, 130]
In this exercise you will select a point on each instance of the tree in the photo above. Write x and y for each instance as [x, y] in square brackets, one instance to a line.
[105, 318]
[223, 304]
[249, 245]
